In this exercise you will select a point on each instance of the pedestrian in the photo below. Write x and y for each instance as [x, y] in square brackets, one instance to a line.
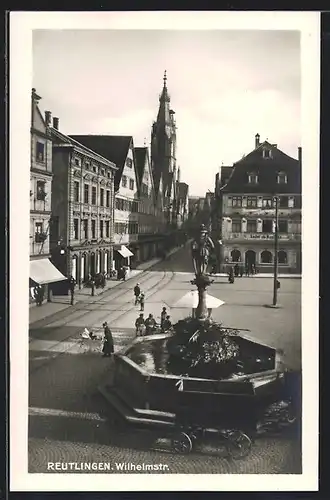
[140, 326]
[137, 291]
[231, 278]
[39, 295]
[150, 324]
[163, 315]
[72, 284]
[167, 324]
[247, 270]
[107, 341]
[241, 271]
[93, 286]
[141, 301]
[236, 268]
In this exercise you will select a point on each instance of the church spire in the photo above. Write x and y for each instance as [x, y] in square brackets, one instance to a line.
[164, 96]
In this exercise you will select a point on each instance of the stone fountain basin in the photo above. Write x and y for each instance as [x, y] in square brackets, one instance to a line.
[144, 392]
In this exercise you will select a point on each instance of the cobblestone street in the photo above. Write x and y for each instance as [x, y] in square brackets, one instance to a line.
[70, 422]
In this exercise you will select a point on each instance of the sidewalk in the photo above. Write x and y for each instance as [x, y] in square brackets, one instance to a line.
[62, 302]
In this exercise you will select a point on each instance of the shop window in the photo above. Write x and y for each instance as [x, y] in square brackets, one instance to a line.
[40, 153]
[266, 257]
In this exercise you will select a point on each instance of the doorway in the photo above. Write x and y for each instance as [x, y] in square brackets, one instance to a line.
[250, 258]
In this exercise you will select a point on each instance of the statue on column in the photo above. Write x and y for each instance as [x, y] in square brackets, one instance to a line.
[201, 248]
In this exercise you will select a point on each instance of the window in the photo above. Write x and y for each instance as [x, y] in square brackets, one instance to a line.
[282, 257]
[85, 228]
[266, 257]
[252, 201]
[108, 198]
[87, 165]
[86, 193]
[39, 234]
[107, 229]
[135, 207]
[282, 178]
[236, 256]
[101, 228]
[236, 226]
[283, 202]
[291, 202]
[124, 181]
[76, 187]
[131, 184]
[93, 195]
[77, 162]
[267, 153]
[109, 174]
[296, 227]
[237, 201]
[102, 171]
[267, 203]
[267, 226]
[296, 202]
[75, 229]
[94, 168]
[282, 226]
[93, 228]
[102, 197]
[40, 152]
[38, 227]
[129, 163]
[41, 193]
[251, 226]
[253, 178]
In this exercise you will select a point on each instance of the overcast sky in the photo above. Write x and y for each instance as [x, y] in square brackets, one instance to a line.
[225, 87]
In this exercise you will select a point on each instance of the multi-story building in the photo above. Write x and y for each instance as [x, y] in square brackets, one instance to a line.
[82, 231]
[120, 150]
[152, 220]
[42, 271]
[163, 154]
[246, 197]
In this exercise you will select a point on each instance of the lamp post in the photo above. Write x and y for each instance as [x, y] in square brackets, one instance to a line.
[275, 252]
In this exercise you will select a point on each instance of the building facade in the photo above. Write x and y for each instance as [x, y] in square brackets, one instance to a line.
[247, 201]
[120, 151]
[82, 232]
[152, 220]
[42, 271]
[163, 155]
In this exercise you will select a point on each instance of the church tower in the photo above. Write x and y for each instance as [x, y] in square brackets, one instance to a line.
[163, 144]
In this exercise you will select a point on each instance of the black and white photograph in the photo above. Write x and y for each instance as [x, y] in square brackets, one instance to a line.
[164, 184]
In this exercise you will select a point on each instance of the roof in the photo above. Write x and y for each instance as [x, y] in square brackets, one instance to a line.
[67, 140]
[140, 158]
[267, 170]
[182, 190]
[113, 147]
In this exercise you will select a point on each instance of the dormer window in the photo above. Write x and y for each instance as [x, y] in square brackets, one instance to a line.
[253, 178]
[267, 153]
[282, 178]
[129, 162]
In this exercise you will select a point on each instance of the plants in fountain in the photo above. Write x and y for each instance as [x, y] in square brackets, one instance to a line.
[201, 347]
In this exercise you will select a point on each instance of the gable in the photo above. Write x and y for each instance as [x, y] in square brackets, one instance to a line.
[38, 120]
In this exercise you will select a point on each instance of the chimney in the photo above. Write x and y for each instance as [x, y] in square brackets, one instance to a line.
[257, 141]
[299, 154]
[48, 117]
[55, 122]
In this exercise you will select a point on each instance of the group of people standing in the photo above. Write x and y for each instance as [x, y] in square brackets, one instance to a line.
[239, 270]
[148, 326]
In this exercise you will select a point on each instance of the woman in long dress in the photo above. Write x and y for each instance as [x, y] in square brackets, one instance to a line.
[108, 341]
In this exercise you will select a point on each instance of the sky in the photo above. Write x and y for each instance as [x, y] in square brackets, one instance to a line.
[225, 86]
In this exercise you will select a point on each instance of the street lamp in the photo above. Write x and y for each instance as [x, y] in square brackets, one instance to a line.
[275, 284]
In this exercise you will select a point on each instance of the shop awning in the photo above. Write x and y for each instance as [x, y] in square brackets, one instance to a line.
[42, 271]
[125, 252]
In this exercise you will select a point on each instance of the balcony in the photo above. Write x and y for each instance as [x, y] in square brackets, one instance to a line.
[262, 236]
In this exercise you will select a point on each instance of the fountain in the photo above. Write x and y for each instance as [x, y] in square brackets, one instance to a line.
[212, 366]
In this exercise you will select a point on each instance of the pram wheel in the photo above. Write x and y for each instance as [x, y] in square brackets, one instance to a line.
[182, 443]
[239, 445]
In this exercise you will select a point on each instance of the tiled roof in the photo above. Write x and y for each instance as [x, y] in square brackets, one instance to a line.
[113, 147]
[267, 170]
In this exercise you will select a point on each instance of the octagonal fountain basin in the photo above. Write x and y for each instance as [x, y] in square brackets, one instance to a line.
[151, 384]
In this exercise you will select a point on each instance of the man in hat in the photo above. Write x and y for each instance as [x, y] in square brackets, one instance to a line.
[137, 291]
